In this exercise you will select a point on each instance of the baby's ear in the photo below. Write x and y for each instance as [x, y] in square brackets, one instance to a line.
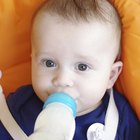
[115, 72]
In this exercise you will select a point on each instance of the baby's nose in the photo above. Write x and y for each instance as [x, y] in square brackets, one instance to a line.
[63, 79]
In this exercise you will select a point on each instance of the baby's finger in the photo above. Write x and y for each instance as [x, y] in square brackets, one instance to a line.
[0, 74]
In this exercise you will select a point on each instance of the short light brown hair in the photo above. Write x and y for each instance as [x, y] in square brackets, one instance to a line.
[83, 10]
[76, 10]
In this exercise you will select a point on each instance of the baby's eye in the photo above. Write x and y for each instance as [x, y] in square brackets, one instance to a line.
[49, 63]
[82, 67]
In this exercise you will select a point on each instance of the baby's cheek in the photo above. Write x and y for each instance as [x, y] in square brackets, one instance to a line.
[42, 95]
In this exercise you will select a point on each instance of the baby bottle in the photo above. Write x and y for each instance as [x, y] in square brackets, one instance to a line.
[57, 120]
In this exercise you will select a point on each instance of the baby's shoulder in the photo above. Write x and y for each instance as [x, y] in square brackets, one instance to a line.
[120, 100]
[18, 98]
[23, 91]
[25, 106]
[123, 104]
[129, 125]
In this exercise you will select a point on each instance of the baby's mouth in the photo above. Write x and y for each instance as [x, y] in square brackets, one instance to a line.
[56, 91]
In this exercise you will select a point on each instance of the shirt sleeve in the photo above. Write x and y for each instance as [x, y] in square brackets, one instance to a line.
[4, 135]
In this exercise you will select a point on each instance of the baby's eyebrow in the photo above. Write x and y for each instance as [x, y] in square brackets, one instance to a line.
[87, 58]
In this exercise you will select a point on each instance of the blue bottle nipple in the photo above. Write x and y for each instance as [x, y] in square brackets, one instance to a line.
[63, 98]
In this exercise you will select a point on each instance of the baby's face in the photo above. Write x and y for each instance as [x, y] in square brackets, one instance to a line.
[76, 58]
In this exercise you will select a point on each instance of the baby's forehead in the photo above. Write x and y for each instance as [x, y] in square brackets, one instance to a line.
[54, 29]
[46, 19]
[76, 14]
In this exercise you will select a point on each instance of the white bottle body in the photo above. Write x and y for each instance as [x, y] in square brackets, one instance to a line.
[55, 122]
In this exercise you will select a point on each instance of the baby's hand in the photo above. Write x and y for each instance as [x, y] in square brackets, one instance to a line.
[0, 74]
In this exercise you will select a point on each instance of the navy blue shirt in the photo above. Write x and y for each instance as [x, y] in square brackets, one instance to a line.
[25, 107]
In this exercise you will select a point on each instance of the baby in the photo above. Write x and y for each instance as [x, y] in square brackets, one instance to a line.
[75, 49]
